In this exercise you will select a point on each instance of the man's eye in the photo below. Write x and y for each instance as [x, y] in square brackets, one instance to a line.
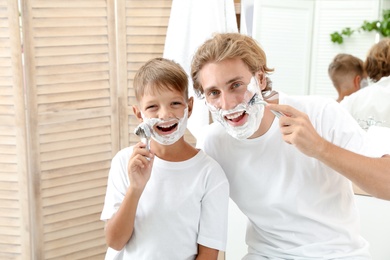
[213, 93]
[237, 85]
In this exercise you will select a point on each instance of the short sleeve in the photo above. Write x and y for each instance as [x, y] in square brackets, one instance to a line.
[117, 183]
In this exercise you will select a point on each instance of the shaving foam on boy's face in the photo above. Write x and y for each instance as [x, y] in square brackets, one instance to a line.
[179, 124]
[244, 119]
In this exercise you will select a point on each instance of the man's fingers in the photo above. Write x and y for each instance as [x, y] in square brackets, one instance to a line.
[284, 109]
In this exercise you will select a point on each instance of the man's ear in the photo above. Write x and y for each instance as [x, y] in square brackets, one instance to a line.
[137, 113]
[262, 80]
[190, 104]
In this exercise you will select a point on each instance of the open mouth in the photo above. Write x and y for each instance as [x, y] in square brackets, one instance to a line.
[167, 128]
[235, 117]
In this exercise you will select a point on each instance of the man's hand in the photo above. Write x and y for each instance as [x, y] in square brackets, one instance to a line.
[297, 130]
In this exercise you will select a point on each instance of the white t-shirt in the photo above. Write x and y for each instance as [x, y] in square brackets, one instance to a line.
[184, 204]
[297, 207]
[370, 105]
[378, 141]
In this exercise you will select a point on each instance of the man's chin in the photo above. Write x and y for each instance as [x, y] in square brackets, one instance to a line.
[237, 128]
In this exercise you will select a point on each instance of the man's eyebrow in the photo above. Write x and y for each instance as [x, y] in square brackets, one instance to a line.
[230, 81]
[206, 89]
[233, 80]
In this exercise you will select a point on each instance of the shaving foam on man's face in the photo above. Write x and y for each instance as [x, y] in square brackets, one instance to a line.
[179, 125]
[242, 121]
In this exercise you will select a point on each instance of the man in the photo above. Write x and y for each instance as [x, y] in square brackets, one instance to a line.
[288, 175]
[371, 106]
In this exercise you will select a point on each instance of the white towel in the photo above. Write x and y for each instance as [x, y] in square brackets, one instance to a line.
[246, 17]
[191, 23]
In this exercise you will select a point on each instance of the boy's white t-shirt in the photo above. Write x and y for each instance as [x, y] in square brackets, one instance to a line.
[184, 204]
[297, 207]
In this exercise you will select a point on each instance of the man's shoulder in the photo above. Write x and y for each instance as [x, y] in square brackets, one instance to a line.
[212, 131]
[365, 95]
[308, 103]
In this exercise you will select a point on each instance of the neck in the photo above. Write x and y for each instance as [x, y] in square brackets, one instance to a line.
[266, 121]
[177, 152]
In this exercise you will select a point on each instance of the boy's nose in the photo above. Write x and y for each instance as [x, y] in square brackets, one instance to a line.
[165, 113]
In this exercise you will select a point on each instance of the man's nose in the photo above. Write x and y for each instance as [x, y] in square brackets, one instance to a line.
[228, 101]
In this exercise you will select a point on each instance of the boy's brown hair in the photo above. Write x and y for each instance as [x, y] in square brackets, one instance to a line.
[345, 66]
[160, 74]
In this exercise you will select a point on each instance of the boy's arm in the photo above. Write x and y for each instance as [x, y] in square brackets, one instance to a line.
[370, 174]
[206, 253]
[120, 227]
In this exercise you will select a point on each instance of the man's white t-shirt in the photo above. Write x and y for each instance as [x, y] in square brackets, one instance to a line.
[370, 105]
[184, 204]
[297, 207]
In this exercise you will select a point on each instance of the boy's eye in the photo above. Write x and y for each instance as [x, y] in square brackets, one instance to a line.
[150, 107]
[176, 103]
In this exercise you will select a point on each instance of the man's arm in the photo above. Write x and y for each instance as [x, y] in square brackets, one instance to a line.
[370, 174]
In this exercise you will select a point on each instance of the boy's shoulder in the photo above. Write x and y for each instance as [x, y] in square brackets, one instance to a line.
[124, 153]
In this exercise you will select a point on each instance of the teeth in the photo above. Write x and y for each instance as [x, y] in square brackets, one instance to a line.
[235, 115]
[167, 126]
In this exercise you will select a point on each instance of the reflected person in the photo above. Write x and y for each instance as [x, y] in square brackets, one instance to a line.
[371, 105]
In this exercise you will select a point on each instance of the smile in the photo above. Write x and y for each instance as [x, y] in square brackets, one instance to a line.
[235, 117]
[167, 128]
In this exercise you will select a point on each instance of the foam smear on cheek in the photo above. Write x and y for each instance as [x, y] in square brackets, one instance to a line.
[255, 114]
[169, 138]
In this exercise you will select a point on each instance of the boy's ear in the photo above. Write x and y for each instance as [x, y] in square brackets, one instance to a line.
[356, 82]
[137, 113]
[190, 104]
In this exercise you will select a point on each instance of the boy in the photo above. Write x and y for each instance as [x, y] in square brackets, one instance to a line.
[171, 202]
[347, 74]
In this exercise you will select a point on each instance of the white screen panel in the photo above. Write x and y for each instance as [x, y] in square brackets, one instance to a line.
[334, 16]
[284, 29]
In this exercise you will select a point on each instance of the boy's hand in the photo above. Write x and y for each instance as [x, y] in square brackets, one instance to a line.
[297, 130]
[140, 167]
